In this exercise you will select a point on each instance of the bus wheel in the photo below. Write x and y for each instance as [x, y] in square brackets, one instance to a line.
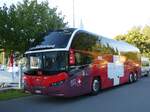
[147, 74]
[95, 86]
[135, 77]
[131, 78]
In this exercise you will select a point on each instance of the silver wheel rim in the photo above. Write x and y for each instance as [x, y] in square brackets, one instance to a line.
[131, 79]
[95, 85]
[135, 77]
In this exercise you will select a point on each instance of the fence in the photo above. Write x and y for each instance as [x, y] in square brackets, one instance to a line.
[11, 79]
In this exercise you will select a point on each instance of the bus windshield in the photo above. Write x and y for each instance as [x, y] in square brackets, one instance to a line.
[48, 62]
[55, 39]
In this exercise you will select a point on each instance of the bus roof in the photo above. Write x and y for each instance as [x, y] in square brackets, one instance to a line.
[119, 45]
[70, 32]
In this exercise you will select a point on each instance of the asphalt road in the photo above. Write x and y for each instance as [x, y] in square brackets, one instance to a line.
[127, 98]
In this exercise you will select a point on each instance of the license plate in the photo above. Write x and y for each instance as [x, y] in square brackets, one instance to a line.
[38, 91]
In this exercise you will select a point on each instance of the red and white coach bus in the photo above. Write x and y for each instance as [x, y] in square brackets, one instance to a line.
[73, 62]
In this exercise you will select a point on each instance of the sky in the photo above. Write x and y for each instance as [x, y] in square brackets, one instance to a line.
[104, 17]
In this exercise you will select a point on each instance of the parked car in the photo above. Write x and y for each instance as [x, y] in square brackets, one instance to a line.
[145, 68]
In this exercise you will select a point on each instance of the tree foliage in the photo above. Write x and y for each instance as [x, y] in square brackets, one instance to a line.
[139, 37]
[25, 22]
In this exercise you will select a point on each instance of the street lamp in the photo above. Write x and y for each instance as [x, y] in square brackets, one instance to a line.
[73, 14]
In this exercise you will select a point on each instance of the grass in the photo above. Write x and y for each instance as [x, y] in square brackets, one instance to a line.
[12, 94]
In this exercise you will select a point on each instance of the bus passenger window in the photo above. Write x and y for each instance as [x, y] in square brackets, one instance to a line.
[82, 59]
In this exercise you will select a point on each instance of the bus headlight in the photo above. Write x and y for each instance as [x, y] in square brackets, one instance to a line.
[58, 83]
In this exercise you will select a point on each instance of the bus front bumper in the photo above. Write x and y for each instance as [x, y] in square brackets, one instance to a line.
[50, 91]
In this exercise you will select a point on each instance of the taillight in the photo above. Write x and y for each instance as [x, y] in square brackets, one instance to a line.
[71, 57]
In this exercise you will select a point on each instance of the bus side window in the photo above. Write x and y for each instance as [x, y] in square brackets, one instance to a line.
[84, 41]
[78, 58]
[82, 59]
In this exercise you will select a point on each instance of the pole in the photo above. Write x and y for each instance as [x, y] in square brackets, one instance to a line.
[20, 77]
[3, 56]
[73, 14]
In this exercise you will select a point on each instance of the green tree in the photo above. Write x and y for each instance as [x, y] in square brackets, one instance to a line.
[146, 31]
[138, 38]
[25, 22]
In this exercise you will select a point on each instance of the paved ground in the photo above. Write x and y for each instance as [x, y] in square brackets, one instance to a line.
[127, 98]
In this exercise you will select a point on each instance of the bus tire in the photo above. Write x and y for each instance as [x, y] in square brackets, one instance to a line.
[147, 74]
[131, 78]
[95, 86]
[135, 77]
